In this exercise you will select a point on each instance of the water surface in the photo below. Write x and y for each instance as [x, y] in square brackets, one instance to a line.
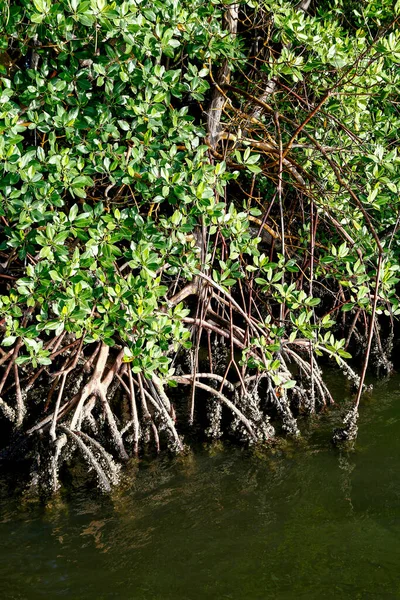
[303, 521]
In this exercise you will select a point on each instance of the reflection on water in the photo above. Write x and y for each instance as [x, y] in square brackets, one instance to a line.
[303, 521]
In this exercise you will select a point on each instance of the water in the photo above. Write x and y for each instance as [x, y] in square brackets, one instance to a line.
[305, 522]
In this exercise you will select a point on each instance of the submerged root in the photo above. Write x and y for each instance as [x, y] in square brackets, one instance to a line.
[349, 431]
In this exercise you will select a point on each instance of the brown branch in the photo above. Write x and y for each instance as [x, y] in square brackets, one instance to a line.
[218, 99]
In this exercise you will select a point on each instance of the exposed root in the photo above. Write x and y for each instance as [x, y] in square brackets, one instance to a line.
[349, 431]
[134, 411]
[110, 414]
[116, 435]
[110, 467]
[280, 402]
[244, 420]
[104, 482]
[60, 443]
[7, 411]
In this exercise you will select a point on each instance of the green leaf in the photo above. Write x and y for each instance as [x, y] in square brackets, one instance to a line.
[253, 168]
[348, 306]
[21, 360]
[313, 301]
[289, 384]
[44, 360]
[73, 212]
[344, 354]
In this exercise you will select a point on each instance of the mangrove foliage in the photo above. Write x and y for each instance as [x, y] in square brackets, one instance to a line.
[199, 205]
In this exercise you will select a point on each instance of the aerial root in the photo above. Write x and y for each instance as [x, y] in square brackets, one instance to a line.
[348, 432]
[90, 458]
[281, 404]
[87, 413]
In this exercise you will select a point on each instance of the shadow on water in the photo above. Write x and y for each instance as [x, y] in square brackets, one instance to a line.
[302, 521]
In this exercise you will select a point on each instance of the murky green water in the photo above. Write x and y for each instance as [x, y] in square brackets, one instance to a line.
[307, 522]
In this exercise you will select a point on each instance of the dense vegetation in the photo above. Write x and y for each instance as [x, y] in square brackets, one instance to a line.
[191, 193]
